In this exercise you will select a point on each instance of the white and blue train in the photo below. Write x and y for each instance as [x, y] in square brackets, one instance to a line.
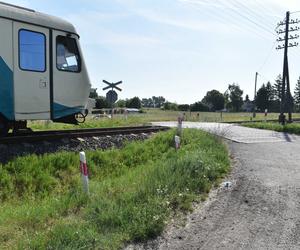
[43, 75]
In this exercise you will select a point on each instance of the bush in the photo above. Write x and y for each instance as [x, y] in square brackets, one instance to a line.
[135, 103]
[170, 106]
[183, 107]
[199, 107]
[101, 103]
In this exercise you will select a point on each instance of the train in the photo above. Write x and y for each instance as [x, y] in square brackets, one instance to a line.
[43, 75]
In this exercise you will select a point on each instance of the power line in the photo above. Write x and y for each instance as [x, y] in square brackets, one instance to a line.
[221, 16]
[265, 77]
[268, 56]
[253, 13]
[258, 25]
[265, 9]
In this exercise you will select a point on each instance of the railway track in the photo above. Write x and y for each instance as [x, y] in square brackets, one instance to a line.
[37, 136]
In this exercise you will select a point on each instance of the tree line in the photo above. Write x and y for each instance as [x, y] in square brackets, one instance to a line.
[213, 101]
[268, 97]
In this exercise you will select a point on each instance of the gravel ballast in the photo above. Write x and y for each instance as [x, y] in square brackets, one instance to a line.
[9, 152]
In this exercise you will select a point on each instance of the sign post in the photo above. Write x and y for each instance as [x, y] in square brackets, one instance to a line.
[179, 125]
[112, 95]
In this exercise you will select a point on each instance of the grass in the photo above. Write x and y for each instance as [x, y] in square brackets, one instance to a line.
[293, 128]
[152, 115]
[133, 192]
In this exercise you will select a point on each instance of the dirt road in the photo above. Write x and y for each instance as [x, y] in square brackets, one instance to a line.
[261, 210]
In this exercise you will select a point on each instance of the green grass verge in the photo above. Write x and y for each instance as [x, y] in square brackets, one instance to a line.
[133, 192]
[152, 115]
[293, 128]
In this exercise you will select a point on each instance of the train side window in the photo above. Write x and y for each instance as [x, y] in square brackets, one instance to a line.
[67, 54]
[32, 51]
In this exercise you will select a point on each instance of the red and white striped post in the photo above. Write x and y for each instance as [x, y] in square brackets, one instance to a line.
[84, 172]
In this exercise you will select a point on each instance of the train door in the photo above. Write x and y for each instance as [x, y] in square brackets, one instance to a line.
[71, 83]
[31, 72]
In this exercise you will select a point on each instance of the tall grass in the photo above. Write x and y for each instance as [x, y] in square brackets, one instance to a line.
[133, 192]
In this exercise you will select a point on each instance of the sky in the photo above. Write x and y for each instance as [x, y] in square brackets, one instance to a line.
[179, 49]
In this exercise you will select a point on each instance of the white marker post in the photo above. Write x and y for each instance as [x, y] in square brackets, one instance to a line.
[84, 172]
[266, 114]
[177, 142]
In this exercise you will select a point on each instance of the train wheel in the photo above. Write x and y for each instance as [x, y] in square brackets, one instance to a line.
[3, 129]
[80, 118]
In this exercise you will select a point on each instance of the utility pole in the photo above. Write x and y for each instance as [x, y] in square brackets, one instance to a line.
[286, 97]
[254, 100]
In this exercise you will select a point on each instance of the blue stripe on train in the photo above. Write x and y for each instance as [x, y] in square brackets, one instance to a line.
[60, 110]
[6, 91]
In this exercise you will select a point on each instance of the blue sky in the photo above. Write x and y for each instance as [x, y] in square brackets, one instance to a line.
[179, 49]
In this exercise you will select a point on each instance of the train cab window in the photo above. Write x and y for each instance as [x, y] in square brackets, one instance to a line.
[67, 54]
[32, 51]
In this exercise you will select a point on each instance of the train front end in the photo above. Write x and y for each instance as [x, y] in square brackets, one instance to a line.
[71, 83]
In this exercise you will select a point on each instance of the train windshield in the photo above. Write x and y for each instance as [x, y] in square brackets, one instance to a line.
[68, 58]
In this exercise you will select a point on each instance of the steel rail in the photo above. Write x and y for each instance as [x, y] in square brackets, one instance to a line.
[77, 133]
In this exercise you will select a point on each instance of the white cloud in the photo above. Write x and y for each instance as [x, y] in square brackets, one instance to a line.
[93, 23]
[173, 21]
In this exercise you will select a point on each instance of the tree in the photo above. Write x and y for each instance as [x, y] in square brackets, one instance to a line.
[135, 102]
[297, 95]
[247, 98]
[183, 107]
[235, 96]
[270, 90]
[147, 102]
[199, 106]
[262, 98]
[154, 102]
[102, 103]
[170, 106]
[93, 94]
[277, 88]
[158, 101]
[214, 99]
[121, 103]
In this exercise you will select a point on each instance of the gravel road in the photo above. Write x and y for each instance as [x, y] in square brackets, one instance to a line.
[261, 210]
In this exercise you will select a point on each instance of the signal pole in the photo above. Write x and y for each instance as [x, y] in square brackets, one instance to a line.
[254, 100]
[286, 97]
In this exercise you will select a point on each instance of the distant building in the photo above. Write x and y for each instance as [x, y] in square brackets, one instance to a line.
[132, 110]
[90, 105]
